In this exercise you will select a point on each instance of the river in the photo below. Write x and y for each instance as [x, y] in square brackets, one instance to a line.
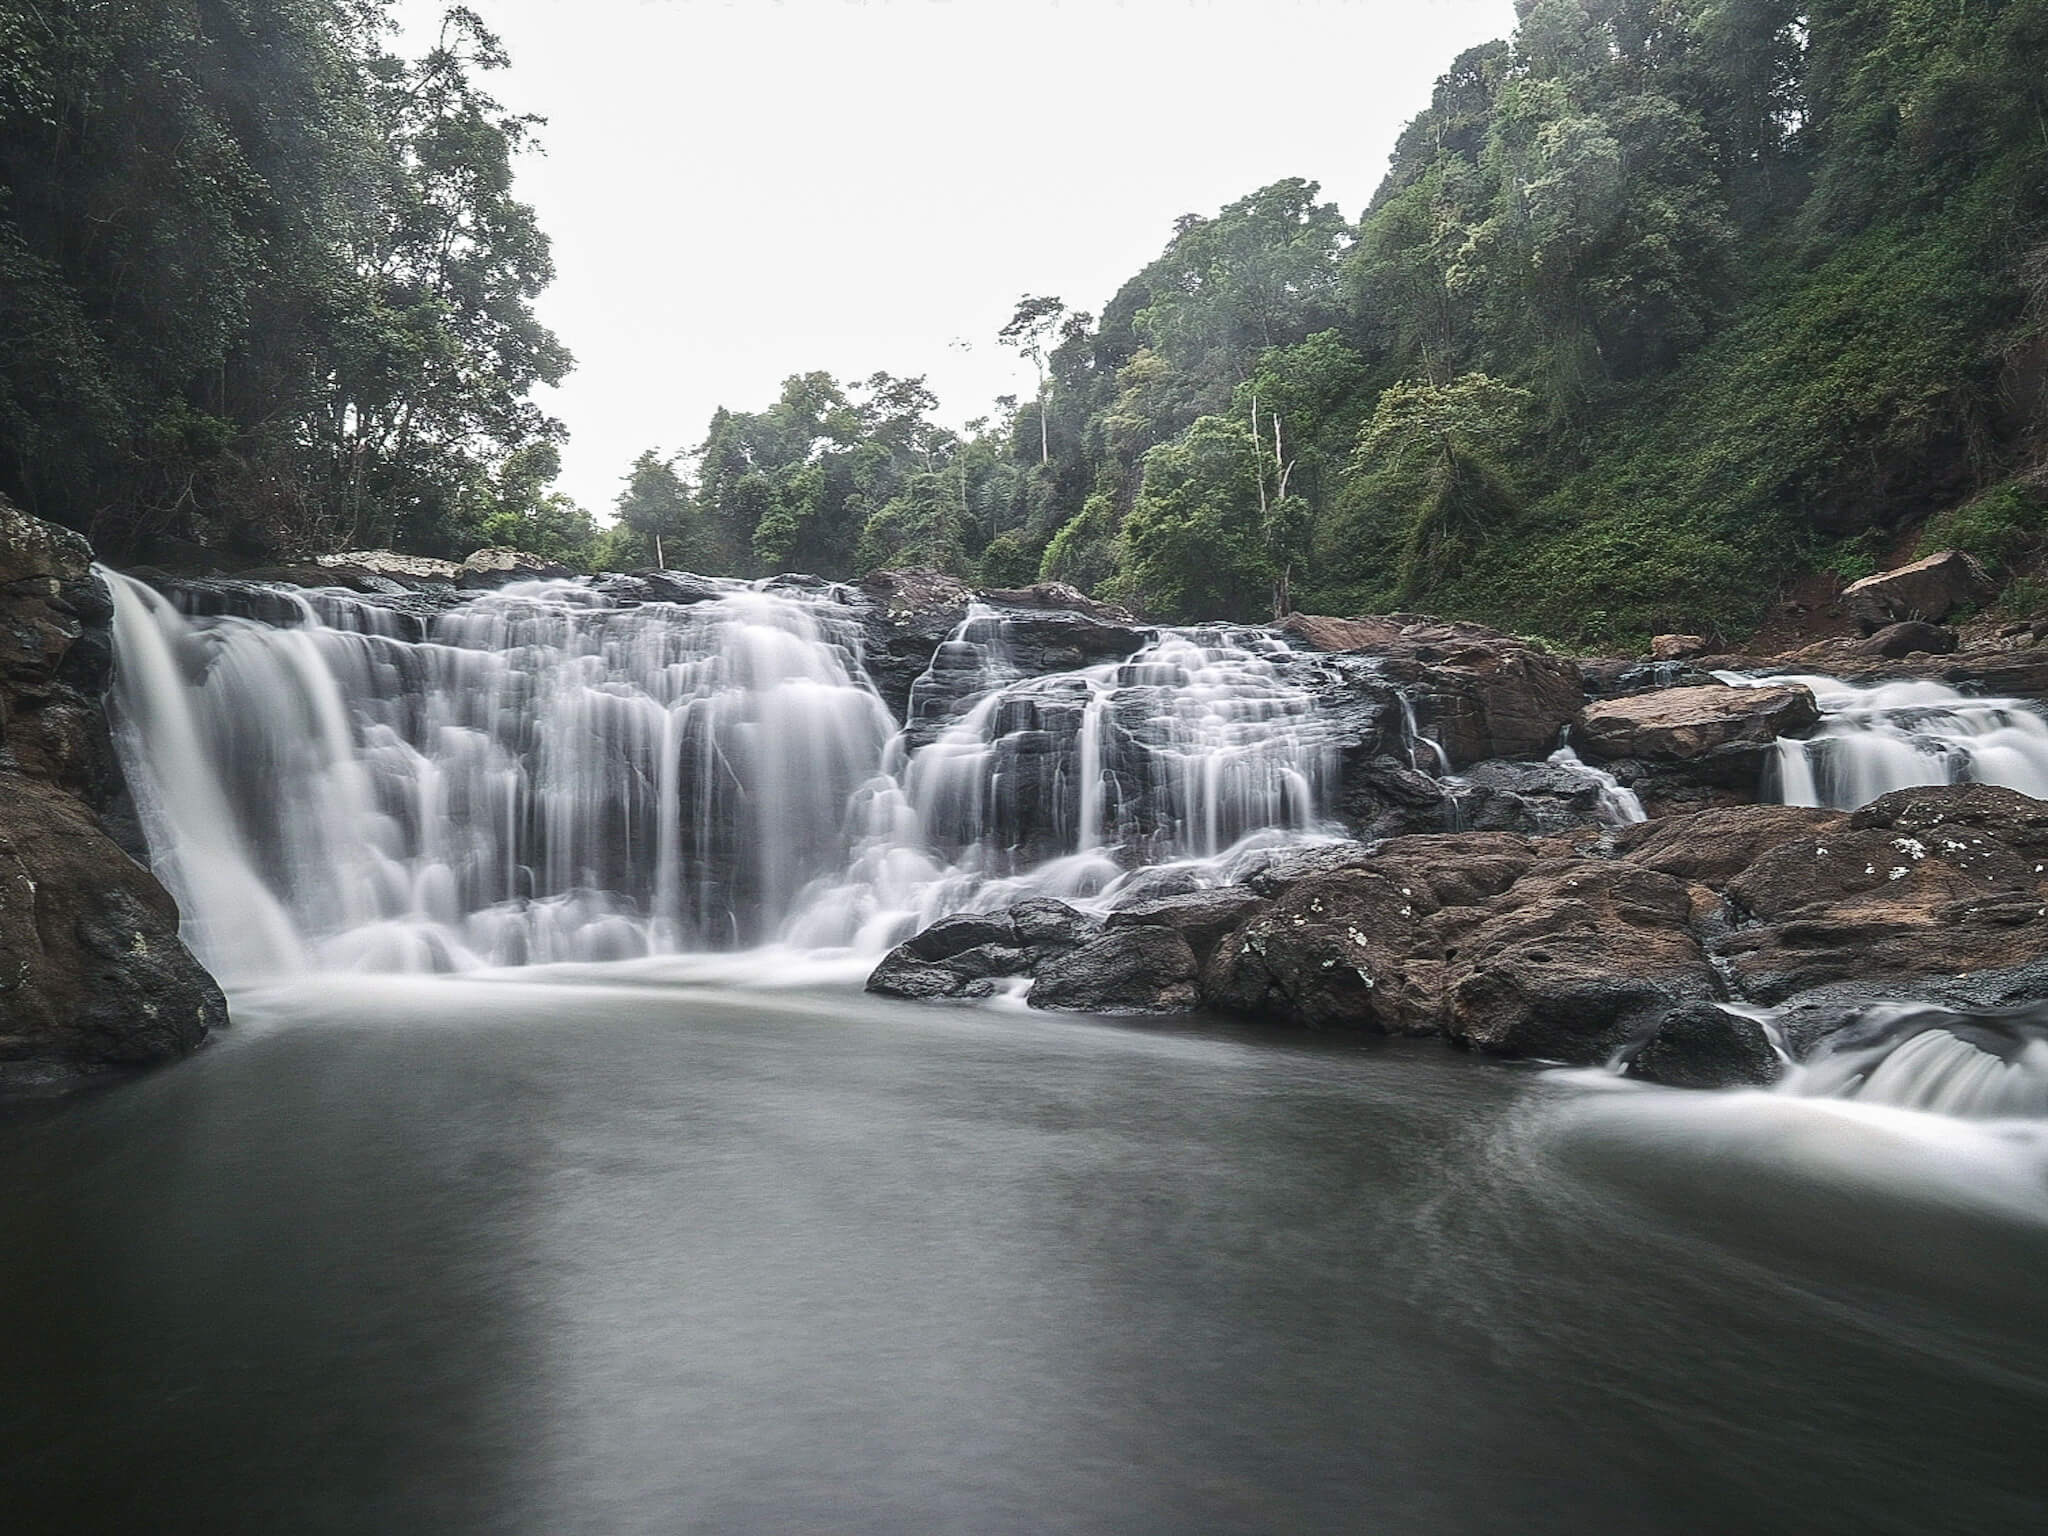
[608, 1253]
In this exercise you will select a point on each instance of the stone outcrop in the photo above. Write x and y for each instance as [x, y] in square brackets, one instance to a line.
[1138, 969]
[56, 656]
[1477, 692]
[96, 976]
[1929, 589]
[93, 975]
[964, 955]
[1701, 1045]
[497, 566]
[391, 565]
[1058, 596]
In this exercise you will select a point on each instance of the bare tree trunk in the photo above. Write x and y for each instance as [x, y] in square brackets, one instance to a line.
[1044, 439]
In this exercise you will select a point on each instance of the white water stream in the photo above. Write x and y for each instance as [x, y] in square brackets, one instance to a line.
[1877, 737]
[545, 776]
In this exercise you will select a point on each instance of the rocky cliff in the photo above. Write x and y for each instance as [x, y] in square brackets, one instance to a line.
[93, 976]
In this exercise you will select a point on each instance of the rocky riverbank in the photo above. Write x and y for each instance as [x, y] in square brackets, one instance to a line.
[1612, 900]
[1568, 948]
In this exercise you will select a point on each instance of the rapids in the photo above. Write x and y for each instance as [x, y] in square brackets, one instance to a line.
[1878, 737]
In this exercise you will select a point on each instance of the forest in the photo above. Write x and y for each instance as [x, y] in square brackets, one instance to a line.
[1659, 305]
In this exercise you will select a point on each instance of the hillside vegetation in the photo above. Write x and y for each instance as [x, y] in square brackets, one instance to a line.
[1660, 304]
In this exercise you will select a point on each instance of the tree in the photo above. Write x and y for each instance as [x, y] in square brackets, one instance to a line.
[1433, 452]
[1195, 543]
[657, 509]
[1030, 330]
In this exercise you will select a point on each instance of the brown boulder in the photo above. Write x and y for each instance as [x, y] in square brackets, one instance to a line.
[1351, 950]
[1677, 647]
[1684, 724]
[1929, 589]
[1920, 883]
[1712, 847]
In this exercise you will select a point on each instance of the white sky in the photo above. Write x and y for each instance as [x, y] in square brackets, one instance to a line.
[739, 190]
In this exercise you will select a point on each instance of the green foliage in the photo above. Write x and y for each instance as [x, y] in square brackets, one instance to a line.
[261, 283]
[658, 522]
[1194, 545]
[2006, 527]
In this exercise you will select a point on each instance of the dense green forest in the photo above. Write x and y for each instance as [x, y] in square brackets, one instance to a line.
[1660, 303]
[263, 285]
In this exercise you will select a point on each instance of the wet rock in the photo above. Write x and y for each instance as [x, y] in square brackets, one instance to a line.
[1346, 950]
[1202, 918]
[1929, 589]
[1571, 963]
[1157, 882]
[1127, 970]
[56, 658]
[908, 615]
[903, 973]
[96, 976]
[1526, 797]
[1613, 677]
[1690, 725]
[1476, 691]
[1043, 922]
[1270, 871]
[962, 931]
[1698, 1045]
[682, 588]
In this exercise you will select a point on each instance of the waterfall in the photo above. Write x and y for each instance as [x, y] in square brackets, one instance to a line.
[546, 773]
[1874, 738]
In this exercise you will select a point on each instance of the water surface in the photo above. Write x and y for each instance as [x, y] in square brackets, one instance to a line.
[512, 1256]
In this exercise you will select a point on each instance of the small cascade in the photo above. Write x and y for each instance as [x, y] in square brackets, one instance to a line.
[1985, 1066]
[1620, 806]
[1874, 738]
[1057, 784]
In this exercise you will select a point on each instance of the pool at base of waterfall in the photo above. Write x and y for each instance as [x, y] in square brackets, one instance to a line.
[463, 1255]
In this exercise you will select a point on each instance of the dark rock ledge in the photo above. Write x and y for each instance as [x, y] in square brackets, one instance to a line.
[1575, 948]
[93, 976]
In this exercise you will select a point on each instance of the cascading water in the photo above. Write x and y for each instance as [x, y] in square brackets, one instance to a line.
[1981, 1067]
[543, 774]
[1874, 738]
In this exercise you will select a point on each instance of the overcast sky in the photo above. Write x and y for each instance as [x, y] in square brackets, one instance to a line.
[739, 190]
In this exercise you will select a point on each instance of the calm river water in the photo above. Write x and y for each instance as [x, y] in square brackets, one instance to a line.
[466, 1256]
